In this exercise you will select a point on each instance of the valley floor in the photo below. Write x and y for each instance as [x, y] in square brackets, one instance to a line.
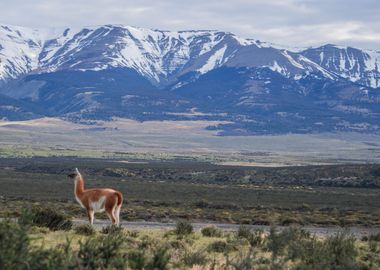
[334, 195]
[170, 140]
[302, 217]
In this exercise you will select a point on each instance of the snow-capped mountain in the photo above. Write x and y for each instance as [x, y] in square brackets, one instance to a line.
[157, 55]
[161, 56]
[116, 70]
[360, 66]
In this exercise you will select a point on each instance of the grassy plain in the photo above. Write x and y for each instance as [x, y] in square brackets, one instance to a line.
[170, 140]
[180, 171]
[166, 191]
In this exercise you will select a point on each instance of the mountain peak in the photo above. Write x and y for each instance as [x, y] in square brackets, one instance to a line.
[100, 72]
[162, 56]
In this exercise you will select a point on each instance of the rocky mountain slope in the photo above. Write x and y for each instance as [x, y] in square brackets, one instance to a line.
[114, 70]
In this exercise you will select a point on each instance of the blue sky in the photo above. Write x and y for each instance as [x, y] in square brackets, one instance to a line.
[286, 22]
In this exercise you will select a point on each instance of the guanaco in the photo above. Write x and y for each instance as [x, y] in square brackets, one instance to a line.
[97, 199]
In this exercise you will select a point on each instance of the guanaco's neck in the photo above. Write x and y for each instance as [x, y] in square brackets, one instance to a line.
[79, 185]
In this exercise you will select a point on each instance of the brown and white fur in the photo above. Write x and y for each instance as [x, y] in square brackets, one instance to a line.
[97, 199]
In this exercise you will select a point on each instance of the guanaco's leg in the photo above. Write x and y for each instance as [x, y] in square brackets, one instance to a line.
[110, 206]
[117, 215]
[110, 214]
[90, 214]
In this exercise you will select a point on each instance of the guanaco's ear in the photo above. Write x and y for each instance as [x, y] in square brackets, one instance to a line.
[77, 171]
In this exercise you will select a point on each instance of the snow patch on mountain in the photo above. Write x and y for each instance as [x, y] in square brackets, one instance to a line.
[277, 68]
[311, 65]
[162, 56]
[291, 60]
[247, 42]
[19, 51]
[360, 66]
[214, 61]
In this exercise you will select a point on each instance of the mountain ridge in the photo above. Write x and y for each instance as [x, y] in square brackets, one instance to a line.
[52, 46]
[117, 70]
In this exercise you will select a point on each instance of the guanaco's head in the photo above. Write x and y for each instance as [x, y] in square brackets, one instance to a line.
[74, 174]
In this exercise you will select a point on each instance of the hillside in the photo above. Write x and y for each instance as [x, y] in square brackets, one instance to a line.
[108, 71]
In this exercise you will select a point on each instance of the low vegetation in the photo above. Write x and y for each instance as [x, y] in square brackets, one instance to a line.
[40, 196]
[202, 191]
[24, 247]
[183, 227]
[211, 231]
[45, 217]
[347, 175]
[85, 229]
[111, 229]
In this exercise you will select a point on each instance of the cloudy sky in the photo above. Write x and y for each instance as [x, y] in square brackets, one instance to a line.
[286, 22]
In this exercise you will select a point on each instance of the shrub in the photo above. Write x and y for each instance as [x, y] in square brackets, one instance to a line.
[194, 258]
[234, 244]
[289, 242]
[276, 243]
[52, 259]
[160, 260]
[211, 231]
[147, 242]
[26, 218]
[102, 252]
[374, 237]
[133, 234]
[183, 228]
[372, 245]
[36, 229]
[16, 252]
[14, 244]
[336, 252]
[50, 218]
[342, 250]
[218, 246]
[176, 244]
[136, 260]
[254, 238]
[244, 261]
[112, 229]
[244, 232]
[85, 229]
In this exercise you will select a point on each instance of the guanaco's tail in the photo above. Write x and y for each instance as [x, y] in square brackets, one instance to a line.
[119, 198]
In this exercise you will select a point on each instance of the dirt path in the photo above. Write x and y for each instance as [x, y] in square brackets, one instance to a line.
[357, 232]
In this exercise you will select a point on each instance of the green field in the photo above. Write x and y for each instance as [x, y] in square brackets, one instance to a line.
[339, 195]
